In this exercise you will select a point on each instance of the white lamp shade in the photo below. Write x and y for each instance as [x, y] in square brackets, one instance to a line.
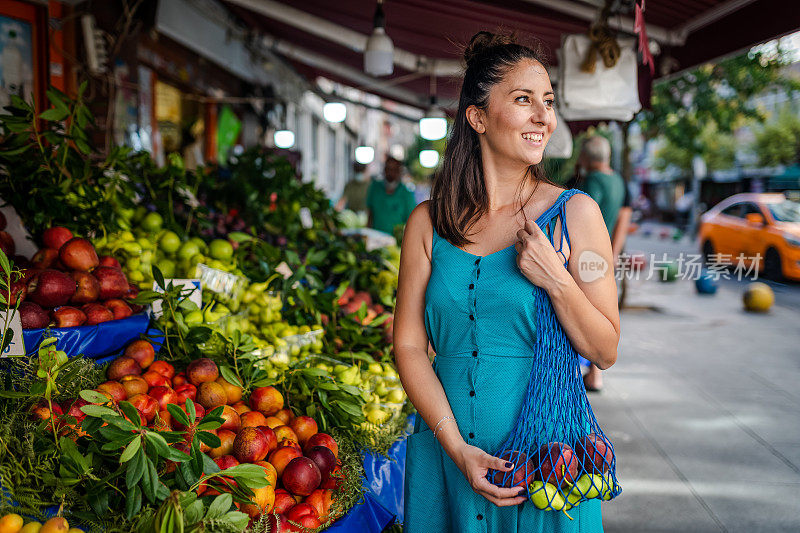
[432, 128]
[429, 158]
[379, 54]
[365, 154]
[334, 111]
[283, 138]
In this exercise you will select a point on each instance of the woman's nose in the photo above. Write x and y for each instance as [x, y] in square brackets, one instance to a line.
[540, 114]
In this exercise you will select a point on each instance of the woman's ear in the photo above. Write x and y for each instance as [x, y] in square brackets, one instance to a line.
[475, 119]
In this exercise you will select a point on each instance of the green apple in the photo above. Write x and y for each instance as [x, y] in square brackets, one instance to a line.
[220, 249]
[152, 222]
[167, 267]
[193, 318]
[169, 242]
[187, 250]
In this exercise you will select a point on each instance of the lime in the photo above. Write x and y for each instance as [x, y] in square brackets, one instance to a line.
[187, 250]
[220, 249]
[169, 242]
[152, 222]
[167, 267]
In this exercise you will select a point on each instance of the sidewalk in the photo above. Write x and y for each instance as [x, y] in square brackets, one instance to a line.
[704, 412]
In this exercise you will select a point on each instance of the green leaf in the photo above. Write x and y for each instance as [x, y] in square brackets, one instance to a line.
[158, 443]
[150, 480]
[351, 409]
[178, 414]
[131, 412]
[193, 513]
[135, 469]
[54, 115]
[159, 278]
[209, 439]
[131, 449]
[98, 411]
[230, 376]
[238, 519]
[190, 410]
[219, 506]
[133, 503]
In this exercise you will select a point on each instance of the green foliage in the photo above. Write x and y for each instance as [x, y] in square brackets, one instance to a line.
[713, 98]
[778, 143]
[718, 151]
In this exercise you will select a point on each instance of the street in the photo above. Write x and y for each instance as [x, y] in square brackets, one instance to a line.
[703, 409]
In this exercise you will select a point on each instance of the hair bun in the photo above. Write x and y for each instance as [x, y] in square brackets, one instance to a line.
[484, 40]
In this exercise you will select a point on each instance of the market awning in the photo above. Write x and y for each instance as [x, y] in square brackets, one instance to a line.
[689, 32]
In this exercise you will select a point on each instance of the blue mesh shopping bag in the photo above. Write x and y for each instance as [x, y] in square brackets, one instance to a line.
[559, 452]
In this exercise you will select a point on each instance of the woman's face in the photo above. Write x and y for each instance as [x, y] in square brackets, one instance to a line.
[520, 117]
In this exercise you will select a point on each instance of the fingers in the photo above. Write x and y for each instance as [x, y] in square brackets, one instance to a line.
[498, 464]
[531, 227]
[522, 235]
[482, 484]
[507, 502]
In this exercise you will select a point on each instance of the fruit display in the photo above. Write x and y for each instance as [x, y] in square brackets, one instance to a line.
[253, 407]
[66, 284]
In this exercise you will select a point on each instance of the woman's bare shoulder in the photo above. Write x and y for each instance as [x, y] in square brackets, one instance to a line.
[419, 228]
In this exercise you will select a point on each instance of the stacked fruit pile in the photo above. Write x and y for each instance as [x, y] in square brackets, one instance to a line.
[66, 284]
[13, 523]
[150, 244]
[300, 462]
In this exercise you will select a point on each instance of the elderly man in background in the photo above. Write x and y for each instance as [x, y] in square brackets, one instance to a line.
[608, 189]
[389, 202]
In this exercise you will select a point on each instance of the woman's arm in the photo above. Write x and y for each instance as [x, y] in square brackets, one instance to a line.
[416, 374]
[584, 296]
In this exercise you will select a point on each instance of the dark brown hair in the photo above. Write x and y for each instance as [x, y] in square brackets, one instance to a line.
[458, 193]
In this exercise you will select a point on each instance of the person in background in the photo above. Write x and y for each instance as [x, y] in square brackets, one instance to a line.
[354, 196]
[607, 188]
[389, 202]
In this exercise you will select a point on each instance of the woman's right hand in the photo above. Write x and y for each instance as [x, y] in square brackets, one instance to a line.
[475, 463]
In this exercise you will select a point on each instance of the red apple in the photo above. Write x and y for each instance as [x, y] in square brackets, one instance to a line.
[78, 254]
[146, 405]
[226, 439]
[301, 476]
[154, 379]
[231, 420]
[32, 316]
[557, 463]
[283, 501]
[201, 371]
[321, 500]
[280, 457]
[180, 379]
[186, 391]
[121, 367]
[518, 477]
[113, 283]
[7, 244]
[51, 288]
[163, 368]
[267, 400]
[300, 510]
[56, 236]
[87, 288]
[44, 258]
[115, 389]
[594, 454]
[119, 308]
[324, 459]
[68, 317]
[96, 314]
[141, 351]
[304, 427]
[164, 396]
[250, 446]
[18, 292]
[272, 440]
[107, 260]
[322, 439]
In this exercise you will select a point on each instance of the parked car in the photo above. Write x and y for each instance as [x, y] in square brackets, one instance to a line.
[755, 223]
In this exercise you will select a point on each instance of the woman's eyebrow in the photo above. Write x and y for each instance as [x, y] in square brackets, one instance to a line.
[530, 91]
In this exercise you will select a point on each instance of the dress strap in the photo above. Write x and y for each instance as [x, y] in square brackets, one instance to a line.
[563, 212]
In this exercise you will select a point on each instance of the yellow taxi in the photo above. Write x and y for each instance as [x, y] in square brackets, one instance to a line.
[765, 225]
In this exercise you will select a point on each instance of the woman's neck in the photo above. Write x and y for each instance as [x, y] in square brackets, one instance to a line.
[503, 183]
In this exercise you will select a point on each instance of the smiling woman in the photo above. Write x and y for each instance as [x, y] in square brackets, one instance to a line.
[505, 310]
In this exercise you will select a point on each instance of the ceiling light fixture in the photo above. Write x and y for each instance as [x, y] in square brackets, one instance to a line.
[379, 52]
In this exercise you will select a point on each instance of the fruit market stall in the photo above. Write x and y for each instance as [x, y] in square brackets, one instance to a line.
[204, 351]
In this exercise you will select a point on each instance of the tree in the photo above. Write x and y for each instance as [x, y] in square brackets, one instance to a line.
[778, 143]
[718, 150]
[715, 95]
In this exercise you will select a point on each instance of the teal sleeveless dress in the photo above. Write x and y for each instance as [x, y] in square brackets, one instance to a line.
[480, 319]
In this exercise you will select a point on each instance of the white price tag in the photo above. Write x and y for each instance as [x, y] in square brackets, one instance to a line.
[17, 346]
[195, 296]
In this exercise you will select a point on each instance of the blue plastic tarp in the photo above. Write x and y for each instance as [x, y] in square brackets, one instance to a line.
[91, 341]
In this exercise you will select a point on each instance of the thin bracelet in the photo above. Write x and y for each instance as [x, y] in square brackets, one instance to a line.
[437, 429]
[445, 417]
[442, 428]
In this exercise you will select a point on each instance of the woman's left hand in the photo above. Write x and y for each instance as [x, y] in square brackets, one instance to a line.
[536, 257]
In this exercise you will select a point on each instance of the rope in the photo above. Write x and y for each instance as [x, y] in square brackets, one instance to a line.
[560, 453]
[603, 42]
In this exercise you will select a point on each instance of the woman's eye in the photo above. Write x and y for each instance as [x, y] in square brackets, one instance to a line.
[525, 98]
[549, 103]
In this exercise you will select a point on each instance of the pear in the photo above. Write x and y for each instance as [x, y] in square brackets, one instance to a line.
[588, 486]
[609, 488]
[547, 497]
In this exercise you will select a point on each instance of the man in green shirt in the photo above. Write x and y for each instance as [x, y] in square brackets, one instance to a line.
[354, 196]
[607, 188]
[389, 202]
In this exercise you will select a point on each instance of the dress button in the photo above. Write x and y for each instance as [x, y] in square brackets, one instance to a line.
[472, 393]
[479, 517]
[471, 317]
[471, 286]
[475, 353]
[477, 261]
[472, 435]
